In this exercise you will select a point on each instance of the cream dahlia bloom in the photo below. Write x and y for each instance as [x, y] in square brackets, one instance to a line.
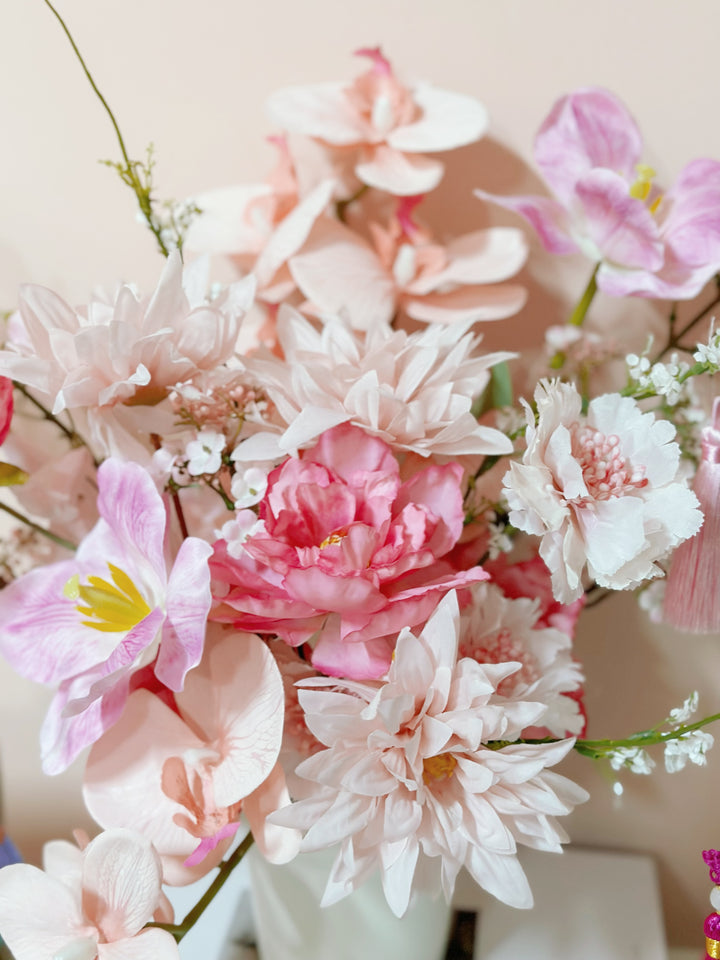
[407, 774]
[496, 629]
[602, 490]
[414, 391]
[128, 349]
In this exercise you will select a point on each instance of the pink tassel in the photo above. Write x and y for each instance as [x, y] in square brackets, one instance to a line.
[692, 596]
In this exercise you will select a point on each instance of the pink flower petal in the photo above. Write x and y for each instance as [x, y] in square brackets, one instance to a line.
[292, 232]
[277, 844]
[339, 273]
[398, 173]
[222, 226]
[549, 219]
[448, 120]
[146, 945]
[244, 712]
[481, 303]
[122, 878]
[621, 227]
[188, 603]
[319, 110]
[484, 256]
[587, 129]
[39, 915]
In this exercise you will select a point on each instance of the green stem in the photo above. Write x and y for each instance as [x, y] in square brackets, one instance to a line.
[226, 868]
[72, 436]
[646, 738]
[141, 192]
[578, 315]
[60, 541]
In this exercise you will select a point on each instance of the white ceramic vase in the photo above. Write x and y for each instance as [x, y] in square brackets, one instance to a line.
[290, 924]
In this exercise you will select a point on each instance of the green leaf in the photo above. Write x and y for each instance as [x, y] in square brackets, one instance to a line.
[502, 391]
[11, 476]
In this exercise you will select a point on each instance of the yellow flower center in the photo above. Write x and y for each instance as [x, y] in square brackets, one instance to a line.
[440, 767]
[116, 607]
[641, 187]
[337, 537]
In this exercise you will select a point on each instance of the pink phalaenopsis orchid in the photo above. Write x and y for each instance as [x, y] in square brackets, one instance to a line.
[215, 758]
[402, 271]
[389, 125]
[347, 554]
[86, 625]
[647, 242]
[88, 904]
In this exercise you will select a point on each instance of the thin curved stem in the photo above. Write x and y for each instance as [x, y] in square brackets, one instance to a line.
[129, 173]
[60, 541]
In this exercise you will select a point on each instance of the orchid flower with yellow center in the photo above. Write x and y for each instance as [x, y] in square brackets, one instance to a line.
[606, 204]
[116, 606]
[74, 627]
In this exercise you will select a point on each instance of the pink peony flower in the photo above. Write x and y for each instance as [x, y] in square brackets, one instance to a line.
[87, 904]
[496, 629]
[602, 490]
[87, 624]
[402, 270]
[348, 555]
[407, 774]
[185, 786]
[648, 243]
[389, 125]
[415, 391]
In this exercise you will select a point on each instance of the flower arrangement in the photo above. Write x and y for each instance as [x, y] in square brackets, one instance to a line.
[303, 563]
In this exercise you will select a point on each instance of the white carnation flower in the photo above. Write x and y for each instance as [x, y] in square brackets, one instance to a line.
[602, 490]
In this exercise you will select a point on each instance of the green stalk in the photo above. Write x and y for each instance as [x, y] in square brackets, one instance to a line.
[581, 308]
[60, 541]
[226, 868]
[129, 172]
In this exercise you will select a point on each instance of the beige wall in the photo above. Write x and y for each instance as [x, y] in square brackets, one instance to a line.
[192, 78]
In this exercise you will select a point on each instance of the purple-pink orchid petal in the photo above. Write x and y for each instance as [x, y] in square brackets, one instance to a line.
[587, 129]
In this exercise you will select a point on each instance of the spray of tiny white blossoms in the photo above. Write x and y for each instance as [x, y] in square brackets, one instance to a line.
[663, 379]
[693, 745]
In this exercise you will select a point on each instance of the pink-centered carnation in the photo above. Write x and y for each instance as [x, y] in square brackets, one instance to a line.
[647, 243]
[408, 774]
[347, 554]
[496, 629]
[601, 489]
[389, 125]
[87, 624]
[86, 904]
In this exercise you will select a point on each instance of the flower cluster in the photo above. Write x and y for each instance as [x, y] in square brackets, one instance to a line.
[310, 572]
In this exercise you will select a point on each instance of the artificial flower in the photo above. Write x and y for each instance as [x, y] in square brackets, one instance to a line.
[647, 243]
[496, 629]
[207, 761]
[601, 489]
[125, 350]
[88, 904]
[347, 554]
[389, 125]
[403, 271]
[87, 624]
[407, 774]
[415, 391]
